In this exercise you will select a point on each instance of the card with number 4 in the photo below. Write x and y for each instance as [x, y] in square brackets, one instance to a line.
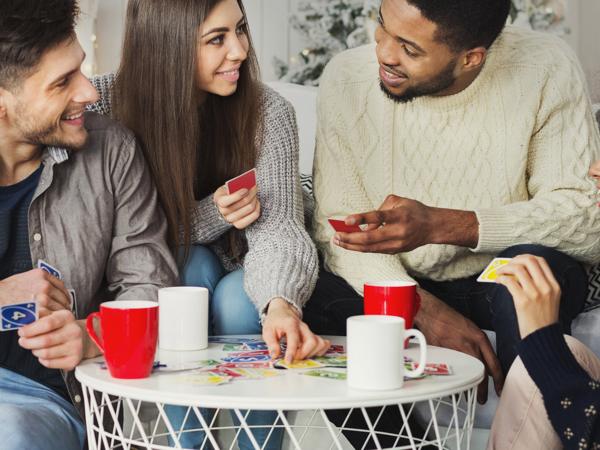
[489, 275]
[18, 315]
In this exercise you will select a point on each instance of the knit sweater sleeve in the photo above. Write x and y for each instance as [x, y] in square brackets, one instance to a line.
[207, 222]
[571, 396]
[282, 260]
[340, 191]
[562, 211]
[104, 85]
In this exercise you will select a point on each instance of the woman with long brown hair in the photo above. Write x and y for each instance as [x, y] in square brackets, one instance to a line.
[188, 86]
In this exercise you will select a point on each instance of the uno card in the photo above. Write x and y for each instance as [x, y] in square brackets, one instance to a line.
[321, 373]
[233, 347]
[247, 180]
[305, 364]
[256, 345]
[247, 359]
[191, 365]
[489, 275]
[247, 365]
[41, 264]
[18, 315]
[431, 368]
[205, 379]
[332, 361]
[336, 348]
[73, 299]
[249, 354]
[340, 226]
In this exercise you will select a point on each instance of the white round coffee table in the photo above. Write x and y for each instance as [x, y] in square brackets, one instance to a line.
[109, 398]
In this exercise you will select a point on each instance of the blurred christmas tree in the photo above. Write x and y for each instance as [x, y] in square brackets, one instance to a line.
[331, 26]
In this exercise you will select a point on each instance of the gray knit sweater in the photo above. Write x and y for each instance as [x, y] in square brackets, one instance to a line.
[281, 259]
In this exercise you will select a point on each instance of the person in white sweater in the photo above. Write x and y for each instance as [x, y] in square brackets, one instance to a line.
[466, 139]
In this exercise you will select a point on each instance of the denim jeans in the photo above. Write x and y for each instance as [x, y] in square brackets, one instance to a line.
[231, 312]
[34, 417]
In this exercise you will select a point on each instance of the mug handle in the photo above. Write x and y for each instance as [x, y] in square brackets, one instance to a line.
[423, 354]
[89, 325]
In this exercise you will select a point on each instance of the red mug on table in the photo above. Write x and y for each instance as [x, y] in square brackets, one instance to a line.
[392, 298]
[129, 336]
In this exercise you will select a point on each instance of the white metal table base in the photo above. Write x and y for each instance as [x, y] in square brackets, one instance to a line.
[100, 406]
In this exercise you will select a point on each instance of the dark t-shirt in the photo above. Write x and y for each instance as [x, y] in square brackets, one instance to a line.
[15, 257]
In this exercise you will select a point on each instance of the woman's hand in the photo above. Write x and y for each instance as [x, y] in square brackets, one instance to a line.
[595, 172]
[284, 320]
[241, 209]
[535, 291]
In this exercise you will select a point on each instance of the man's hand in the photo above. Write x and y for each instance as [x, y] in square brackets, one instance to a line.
[595, 172]
[444, 327]
[58, 340]
[49, 292]
[241, 209]
[401, 225]
[283, 320]
[535, 291]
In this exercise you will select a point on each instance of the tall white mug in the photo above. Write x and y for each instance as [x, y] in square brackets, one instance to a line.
[375, 346]
[183, 318]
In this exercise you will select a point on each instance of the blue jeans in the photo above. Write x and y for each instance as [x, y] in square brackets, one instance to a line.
[231, 312]
[34, 417]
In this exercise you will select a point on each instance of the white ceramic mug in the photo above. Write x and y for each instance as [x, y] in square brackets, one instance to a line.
[183, 318]
[375, 346]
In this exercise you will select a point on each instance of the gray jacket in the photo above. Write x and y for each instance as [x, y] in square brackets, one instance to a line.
[95, 217]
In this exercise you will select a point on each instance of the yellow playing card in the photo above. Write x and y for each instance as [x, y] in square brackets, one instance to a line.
[489, 275]
[306, 364]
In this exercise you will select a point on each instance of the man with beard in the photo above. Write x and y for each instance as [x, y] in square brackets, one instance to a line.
[74, 192]
[477, 138]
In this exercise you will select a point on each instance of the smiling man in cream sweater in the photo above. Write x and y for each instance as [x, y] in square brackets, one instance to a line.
[484, 135]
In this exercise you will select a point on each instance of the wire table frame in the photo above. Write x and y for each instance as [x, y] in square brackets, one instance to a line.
[131, 414]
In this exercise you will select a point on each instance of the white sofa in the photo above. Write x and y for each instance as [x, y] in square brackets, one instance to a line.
[586, 326]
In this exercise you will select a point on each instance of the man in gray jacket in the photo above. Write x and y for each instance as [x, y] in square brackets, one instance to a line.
[74, 192]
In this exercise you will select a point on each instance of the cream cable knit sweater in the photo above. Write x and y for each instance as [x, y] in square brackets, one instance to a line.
[514, 147]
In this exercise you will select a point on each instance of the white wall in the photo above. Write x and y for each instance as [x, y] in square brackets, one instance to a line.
[272, 37]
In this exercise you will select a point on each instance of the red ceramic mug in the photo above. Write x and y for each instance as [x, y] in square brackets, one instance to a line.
[129, 336]
[392, 298]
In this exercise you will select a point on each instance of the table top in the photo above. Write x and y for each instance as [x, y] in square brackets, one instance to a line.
[290, 391]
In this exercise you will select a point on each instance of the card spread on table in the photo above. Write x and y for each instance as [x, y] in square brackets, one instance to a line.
[340, 226]
[489, 275]
[204, 379]
[332, 361]
[255, 358]
[18, 315]
[305, 364]
[187, 365]
[247, 180]
[431, 368]
[230, 340]
[247, 365]
[322, 373]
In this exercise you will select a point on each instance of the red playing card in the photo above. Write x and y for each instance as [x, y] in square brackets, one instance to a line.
[247, 180]
[340, 226]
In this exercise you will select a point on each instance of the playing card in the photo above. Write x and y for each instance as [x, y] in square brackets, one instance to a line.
[251, 374]
[336, 348]
[233, 347]
[341, 227]
[304, 364]
[41, 264]
[256, 346]
[332, 361]
[247, 365]
[247, 180]
[489, 274]
[246, 359]
[322, 373]
[190, 365]
[18, 315]
[73, 300]
[204, 379]
[431, 368]
[249, 354]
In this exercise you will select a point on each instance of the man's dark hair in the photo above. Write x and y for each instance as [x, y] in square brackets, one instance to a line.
[465, 24]
[29, 28]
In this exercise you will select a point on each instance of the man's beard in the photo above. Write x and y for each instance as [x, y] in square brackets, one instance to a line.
[45, 134]
[440, 83]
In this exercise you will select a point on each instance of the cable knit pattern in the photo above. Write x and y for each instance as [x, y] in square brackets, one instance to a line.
[281, 259]
[514, 147]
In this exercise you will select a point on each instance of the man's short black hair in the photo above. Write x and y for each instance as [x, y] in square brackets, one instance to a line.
[465, 24]
[29, 28]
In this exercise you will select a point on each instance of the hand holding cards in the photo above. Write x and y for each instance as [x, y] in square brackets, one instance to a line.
[15, 316]
[247, 180]
[489, 275]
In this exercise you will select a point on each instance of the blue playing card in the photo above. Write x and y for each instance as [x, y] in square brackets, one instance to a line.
[48, 268]
[248, 359]
[17, 316]
[229, 340]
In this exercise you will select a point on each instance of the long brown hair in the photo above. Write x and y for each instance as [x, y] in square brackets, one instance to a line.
[192, 149]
